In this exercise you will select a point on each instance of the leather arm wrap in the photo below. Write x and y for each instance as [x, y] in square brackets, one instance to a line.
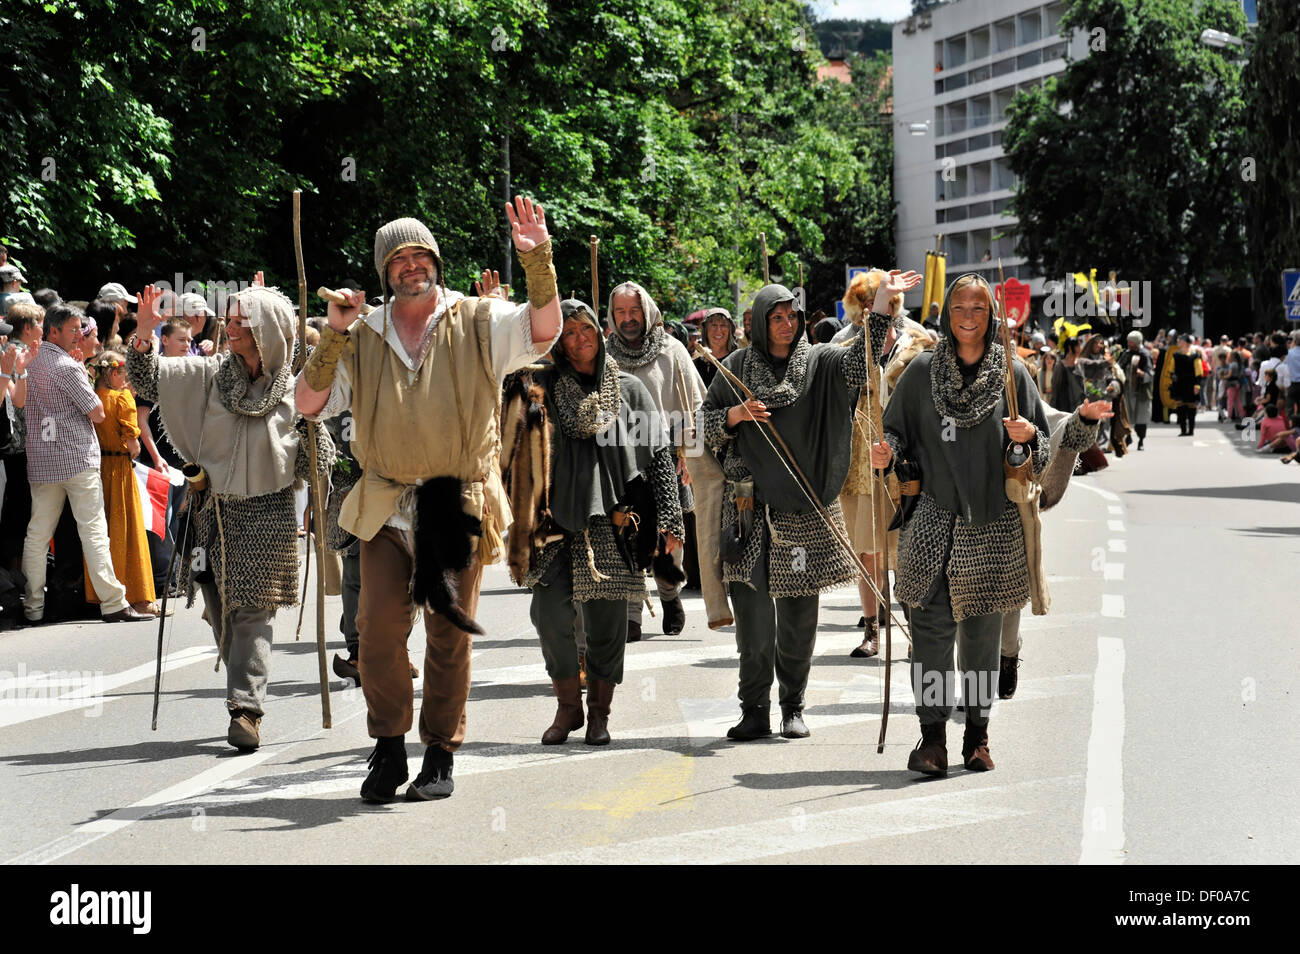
[324, 361]
[540, 273]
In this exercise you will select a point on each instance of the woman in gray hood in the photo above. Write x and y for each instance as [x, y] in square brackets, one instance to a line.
[961, 555]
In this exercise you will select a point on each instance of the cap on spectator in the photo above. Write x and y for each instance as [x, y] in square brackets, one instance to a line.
[115, 292]
[10, 273]
[1135, 336]
[192, 303]
[1037, 339]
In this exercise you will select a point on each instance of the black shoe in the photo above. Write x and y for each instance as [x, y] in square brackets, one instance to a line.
[862, 622]
[347, 669]
[387, 769]
[674, 616]
[792, 724]
[753, 724]
[633, 632]
[434, 780]
[1008, 677]
[870, 643]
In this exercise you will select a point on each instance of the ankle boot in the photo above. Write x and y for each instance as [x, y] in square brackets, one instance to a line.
[870, 642]
[975, 749]
[568, 711]
[599, 695]
[755, 723]
[930, 757]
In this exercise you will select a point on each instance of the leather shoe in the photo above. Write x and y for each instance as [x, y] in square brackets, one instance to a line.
[347, 669]
[674, 616]
[792, 725]
[244, 732]
[930, 757]
[633, 632]
[125, 615]
[434, 780]
[387, 769]
[754, 724]
[1008, 677]
[975, 749]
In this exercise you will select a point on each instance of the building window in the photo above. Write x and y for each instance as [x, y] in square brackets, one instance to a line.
[978, 142]
[979, 111]
[1001, 205]
[956, 52]
[1054, 13]
[938, 86]
[956, 81]
[1054, 52]
[1031, 27]
[979, 43]
[1026, 60]
[978, 75]
[1003, 67]
[1004, 35]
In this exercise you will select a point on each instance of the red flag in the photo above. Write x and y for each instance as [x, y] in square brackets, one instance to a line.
[154, 488]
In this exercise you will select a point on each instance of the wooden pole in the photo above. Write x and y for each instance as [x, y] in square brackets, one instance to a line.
[313, 481]
[762, 238]
[593, 241]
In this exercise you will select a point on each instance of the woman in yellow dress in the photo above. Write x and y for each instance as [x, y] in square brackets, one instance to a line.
[119, 443]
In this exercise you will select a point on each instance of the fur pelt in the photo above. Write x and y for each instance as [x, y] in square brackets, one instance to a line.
[525, 470]
[919, 339]
[862, 293]
[444, 541]
[648, 543]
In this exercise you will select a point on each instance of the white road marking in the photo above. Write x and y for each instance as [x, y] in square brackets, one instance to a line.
[1100, 492]
[812, 830]
[1112, 605]
[1114, 509]
[1117, 546]
[1113, 571]
[1103, 803]
[38, 695]
[1115, 526]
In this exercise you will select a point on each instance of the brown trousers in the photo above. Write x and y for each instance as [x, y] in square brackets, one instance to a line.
[384, 614]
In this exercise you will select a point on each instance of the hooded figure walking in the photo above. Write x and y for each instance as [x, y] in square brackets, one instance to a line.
[422, 378]
[961, 556]
[603, 459]
[779, 555]
[233, 416]
[644, 349]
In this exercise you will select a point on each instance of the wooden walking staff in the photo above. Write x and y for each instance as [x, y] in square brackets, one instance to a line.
[595, 278]
[313, 481]
[762, 238]
[879, 526]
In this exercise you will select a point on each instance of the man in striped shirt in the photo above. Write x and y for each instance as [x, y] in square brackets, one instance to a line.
[63, 463]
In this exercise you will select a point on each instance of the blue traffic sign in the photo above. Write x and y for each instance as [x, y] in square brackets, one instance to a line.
[1291, 293]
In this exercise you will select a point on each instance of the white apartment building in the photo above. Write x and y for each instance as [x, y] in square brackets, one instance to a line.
[956, 69]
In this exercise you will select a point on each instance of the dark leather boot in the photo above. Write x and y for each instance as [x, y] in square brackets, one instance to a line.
[755, 723]
[870, 642]
[792, 724]
[568, 712]
[674, 616]
[599, 695]
[387, 769]
[1008, 677]
[975, 749]
[930, 757]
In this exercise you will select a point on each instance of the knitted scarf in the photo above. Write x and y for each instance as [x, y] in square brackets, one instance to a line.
[586, 415]
[967, 406]
[232, 387]
[629, 359]
[761, 379]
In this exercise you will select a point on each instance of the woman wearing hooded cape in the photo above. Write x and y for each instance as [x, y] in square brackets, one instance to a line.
[609, 450]
[779, 554]
[233, 415]
[962, 561]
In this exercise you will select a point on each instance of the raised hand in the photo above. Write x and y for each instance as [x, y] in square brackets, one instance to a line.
[894, 282]
[8, 360]
[527, 223]
[259, 280]
[341, 316]
[148, 311]
[489, 286]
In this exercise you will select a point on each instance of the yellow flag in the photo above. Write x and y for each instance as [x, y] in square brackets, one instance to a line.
[936, 264]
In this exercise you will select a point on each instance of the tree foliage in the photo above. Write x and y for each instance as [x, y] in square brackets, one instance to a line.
[1130, 160]
[675, 131]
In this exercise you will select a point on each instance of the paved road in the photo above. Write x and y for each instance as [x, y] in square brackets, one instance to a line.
[1154, 723]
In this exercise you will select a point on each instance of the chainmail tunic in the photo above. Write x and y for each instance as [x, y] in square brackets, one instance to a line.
[621, 583]
[986, 565]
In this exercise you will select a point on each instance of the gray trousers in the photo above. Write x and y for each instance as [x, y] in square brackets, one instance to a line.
[667, 591]
[556, 617]
[773, 635]
[351, 596]
[1011, 641]
[977, 640]
[707, 483]
[248, 650]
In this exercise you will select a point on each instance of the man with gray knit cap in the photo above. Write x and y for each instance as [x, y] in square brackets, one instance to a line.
[421, 377]
[645, 350]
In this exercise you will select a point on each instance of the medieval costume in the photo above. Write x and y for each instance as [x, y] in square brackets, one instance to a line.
[962, 559]
[1185, 379]
[241, 431]
[664, 366]
[429, 507]
[602, 459]
[780, 555]
[1141, 383]
[127, 539]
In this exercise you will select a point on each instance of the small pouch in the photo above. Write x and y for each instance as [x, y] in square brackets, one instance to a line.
[736, 536]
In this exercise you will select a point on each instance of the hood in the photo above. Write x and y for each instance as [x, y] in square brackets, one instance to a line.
[767, 298]
[271, 320]
[648, 307]
[731, 327]
[397, 235]
[573, 308]
[945, 320]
